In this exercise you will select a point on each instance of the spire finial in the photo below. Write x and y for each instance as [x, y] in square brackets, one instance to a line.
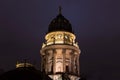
[60, 9]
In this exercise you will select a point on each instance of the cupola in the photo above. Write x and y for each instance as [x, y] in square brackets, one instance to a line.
[60, 23]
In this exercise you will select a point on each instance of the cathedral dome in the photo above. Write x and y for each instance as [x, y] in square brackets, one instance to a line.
[60, 23]
[24, 73]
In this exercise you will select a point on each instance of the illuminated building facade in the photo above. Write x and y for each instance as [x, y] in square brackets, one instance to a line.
[60, 51]
[59, 54]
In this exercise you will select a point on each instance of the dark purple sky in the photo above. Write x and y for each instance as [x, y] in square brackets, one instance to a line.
[96, 23]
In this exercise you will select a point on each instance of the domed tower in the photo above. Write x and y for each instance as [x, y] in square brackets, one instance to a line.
[60, 52]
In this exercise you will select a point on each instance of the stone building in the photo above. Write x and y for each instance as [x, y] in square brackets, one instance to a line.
[59, 56]
[60, 52]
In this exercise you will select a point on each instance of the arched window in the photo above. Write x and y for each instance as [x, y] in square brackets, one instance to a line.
[67, 68]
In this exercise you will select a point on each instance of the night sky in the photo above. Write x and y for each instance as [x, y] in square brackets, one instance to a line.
[96, 23]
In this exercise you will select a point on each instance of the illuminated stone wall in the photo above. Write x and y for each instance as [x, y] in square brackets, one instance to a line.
[60, 54]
